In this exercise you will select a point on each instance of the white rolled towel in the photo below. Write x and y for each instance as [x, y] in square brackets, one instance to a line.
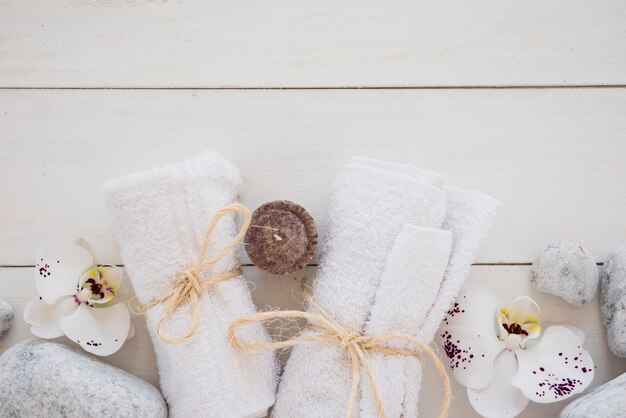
[160, 219]
[409, 285]
[369, 207]
[470, 216]
[414, 299]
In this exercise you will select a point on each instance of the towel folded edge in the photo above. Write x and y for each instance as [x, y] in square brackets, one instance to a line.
[212, 162]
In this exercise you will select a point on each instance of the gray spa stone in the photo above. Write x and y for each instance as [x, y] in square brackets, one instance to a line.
[6, 317]
[613, 300]
[45, 379]
[567, 270]
[606, 401]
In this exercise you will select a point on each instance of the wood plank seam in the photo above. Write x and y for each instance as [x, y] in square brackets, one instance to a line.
[433, 87]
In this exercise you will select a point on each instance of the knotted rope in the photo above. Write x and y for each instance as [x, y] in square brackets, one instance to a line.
[355, 344]
[189, 285]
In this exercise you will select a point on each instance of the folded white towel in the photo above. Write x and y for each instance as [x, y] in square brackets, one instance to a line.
[160, 219]
[369, 207]
[409, 285]
[416, 173]
[469, 217]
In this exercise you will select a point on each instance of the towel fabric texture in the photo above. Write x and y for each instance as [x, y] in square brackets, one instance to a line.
[469, 217]
[160, 219]
[395, 254]
[369, 207]
[409, 286]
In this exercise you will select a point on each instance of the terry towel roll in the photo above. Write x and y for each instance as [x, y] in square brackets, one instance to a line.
[369, 207]
[160, 218]
[422, 299]
[409, 284]
[415, 309]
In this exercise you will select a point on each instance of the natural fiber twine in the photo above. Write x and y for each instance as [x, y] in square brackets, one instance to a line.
[355, 344]
[189, 285]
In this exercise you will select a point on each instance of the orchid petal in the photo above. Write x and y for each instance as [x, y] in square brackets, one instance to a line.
[554, 369]
[533, 330]
[502, 331]
[100, 331]
[44, 319]
[59, 269]
[131, 331]
[469, 338]
[522, 310]
[579, 332]
[499, 398]
[112, 275]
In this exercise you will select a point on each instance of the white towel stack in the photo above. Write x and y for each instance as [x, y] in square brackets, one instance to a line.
[417, 302]
[396, 251]
[160, 218]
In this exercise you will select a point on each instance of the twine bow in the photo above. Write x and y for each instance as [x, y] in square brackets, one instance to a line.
[189, 285]
[356, 345]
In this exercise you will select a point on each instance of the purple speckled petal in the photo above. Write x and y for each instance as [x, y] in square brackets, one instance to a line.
[468, 336]
[556, 368]
[100, 331]
[500, 399]
[58, 270]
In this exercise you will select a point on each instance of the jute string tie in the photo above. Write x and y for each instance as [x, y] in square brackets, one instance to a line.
[189, 285]
[355, 344]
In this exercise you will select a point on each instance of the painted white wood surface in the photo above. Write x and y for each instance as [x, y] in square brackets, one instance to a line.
[281, 43]
[507, 282]
[555, 158]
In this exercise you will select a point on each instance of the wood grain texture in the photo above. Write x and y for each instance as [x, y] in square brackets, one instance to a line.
[279, 43]
[555, 158]
[507, 282]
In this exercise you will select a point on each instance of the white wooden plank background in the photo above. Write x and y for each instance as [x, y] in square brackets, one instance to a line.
[554, 156]
[323, 43]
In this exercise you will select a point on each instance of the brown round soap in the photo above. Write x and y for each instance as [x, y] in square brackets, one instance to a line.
[281, 238]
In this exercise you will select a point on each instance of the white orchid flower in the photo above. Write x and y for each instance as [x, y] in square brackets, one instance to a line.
[73, 301]
[501, 355]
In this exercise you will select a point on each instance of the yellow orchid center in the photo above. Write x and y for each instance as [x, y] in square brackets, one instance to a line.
[94, 288]
[519, 322]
